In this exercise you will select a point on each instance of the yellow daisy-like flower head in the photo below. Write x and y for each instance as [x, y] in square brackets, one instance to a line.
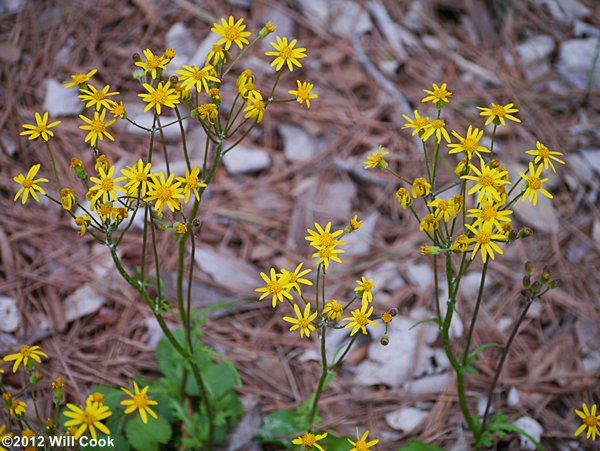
[303, 321]
[296, 278]
[483, 238]
[443, 209]
[2, 435]
[355, 224]
[333, 309]
[489, 180]
[360, 319]
[461, 244]
[139, 401]
[325, 254]
[489, 212]
[162, 95]
[376, 159]
[118, 110]
[544, 156]
[438, 95]
[420, 187]
[534, 184]
[403, 197]
[191, 183]
[286, 53]
[323, 237]
[429, 223]
[25, 355]
[89, 417]
[18, 408]
[232, 32]
[497, 113]
[170, 54]
[67, 198]
[303, 93]
[97, 127]
[80, 79]
[418, 123]
[139, 178]
[208, 111]
[98, 99]
[153, 64]
[276, 285]
[469, 144]
[364, 288]
[41, 128]
[29, 185]
[217, 55]
[105, 187]
[193, 76]
[309, 440]
[361, 443]
[165, 192]
[590, 421]
[255, 107]
[436, 127]
[83, 221]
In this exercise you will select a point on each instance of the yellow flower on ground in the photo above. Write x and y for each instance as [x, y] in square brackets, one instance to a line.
[97, 127]
[360, 319]
[99, 99]
[105, 187]
[420, 187]
[438, 94]
[255, 107]
[333, 309]
[162, 95]
[482, 238]
[533, 184]
[489, 212]
[429, 223]
[361, 443]
[488, 181]
[469, 144]
[153, 63]
[164, 192]
[277, 285]
[497, 113]
[327, 253]
[376, 159]
[303, 321]
[296, 278]
[18, 408]
[323, 237]
[286, 53]
[309, 440]
[418, 123]
[139, 178]
[403, 197]
[303, 93]
[139, 401]
[88, 418]
[83, 221]
[191, 183]
[232, 32]
[41, 127]
[443, 209]
[196, 77]
[216, 55]
[29, 185]
[590, 421]
[544, 156]
[436, 127]
[364, 288]
[24, 355]
[79, 79]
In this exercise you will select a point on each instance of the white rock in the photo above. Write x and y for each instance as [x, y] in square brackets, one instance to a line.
[469, 286]
[541, 216]
[575, 62]
[513, 397]
[534, 53]
[242, 160]
[407, 419]
[533, 428]
[360, 241]
[199, 56]
[420, 274]
[60, 101]
[155, 333]
[584, 30]
[349, 19]
[182, 40]
[386, 275]
[9, 314]
[315, 11]
[286, 26]
[83, 301]
[298, 145]
[228, 270]
[596, 232]
[592, 157]
[565, 10]
[504, 323]
[435, 383]
[7, 145]
[591, 362]
[337, 199]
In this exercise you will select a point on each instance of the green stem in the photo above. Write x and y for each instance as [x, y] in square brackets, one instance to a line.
[183, 140]
[313, 410]
[53, 165]
[475, 313]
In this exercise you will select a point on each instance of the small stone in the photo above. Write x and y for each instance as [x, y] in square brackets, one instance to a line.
[298, 145]
[317, 11]
[575, 62]
[61, 101]
[360, 241]
[349, 19]
[533, 428]
[154, 331]
[541, 216]
[513, 397]
[435, 383]
[592, 157]
[83, 301]
[421, 275]
[242, 160]
[407, 419]
[182, 40]
[386, 275]
[534, 54]
[202, 51]
[9, 314]
[228, 270]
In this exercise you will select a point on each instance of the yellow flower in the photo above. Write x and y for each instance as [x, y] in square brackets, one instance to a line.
[355, 223]
[488, 181]
[386, 317]
[376, 159]
[443, 209]
[67, 198]
[497, 113]
[88, 418]
[80, 79]
[232, 32]
[164, 192]
[303, 93]
[169, 54]
[418, 123]
[333, 309]
[96, 397]
[361, 443]
[180, 228]
[489, 212]
[309, 440]
[420, 187]
[303, 321]
[83, 221]
[118, 214]
[267, 30]
[534, 184]
[468, 144]
[58, 383]
[286, 53]
[437, 127]
[439, 94]
[24, 354]
[246, 78]
[327, 253]
[105, 187]
[277, 286]
[429, 223]
[208, 111]
[139, 401]
[97, 127]
[139, 178]
[41, 127]
[159, 96]
[153, 63]
[360, 319]
[296, 278]
[323, 237]
[483, 239]
[196, 77]
[102, 162]
[29, 184]
[97, 98]
[2, 435]
[104, 211]
[18, 408]
[217, 55]
[364, 289]
[191, 183]
[403, 197]
[118, 110]
[255, 107]
[590, 421]
[463, 167]
[544, 156]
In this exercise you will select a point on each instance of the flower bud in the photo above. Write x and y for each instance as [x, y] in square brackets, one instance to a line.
[386, 317]
[77, 166]
[528, 268]
[525, 232]
[553, 283]
[35, 377]
[266, 30]
[393, 311]
[136, 57]
[495, 163]
[385, 340]
[526, 282]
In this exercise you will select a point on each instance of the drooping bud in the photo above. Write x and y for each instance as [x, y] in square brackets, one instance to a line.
[385, 340]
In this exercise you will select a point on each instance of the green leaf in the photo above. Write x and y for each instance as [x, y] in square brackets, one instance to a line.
[279, 423]
[423, 321]
[148, 437]
[478, 349]
[416, 445]
[334, 443]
